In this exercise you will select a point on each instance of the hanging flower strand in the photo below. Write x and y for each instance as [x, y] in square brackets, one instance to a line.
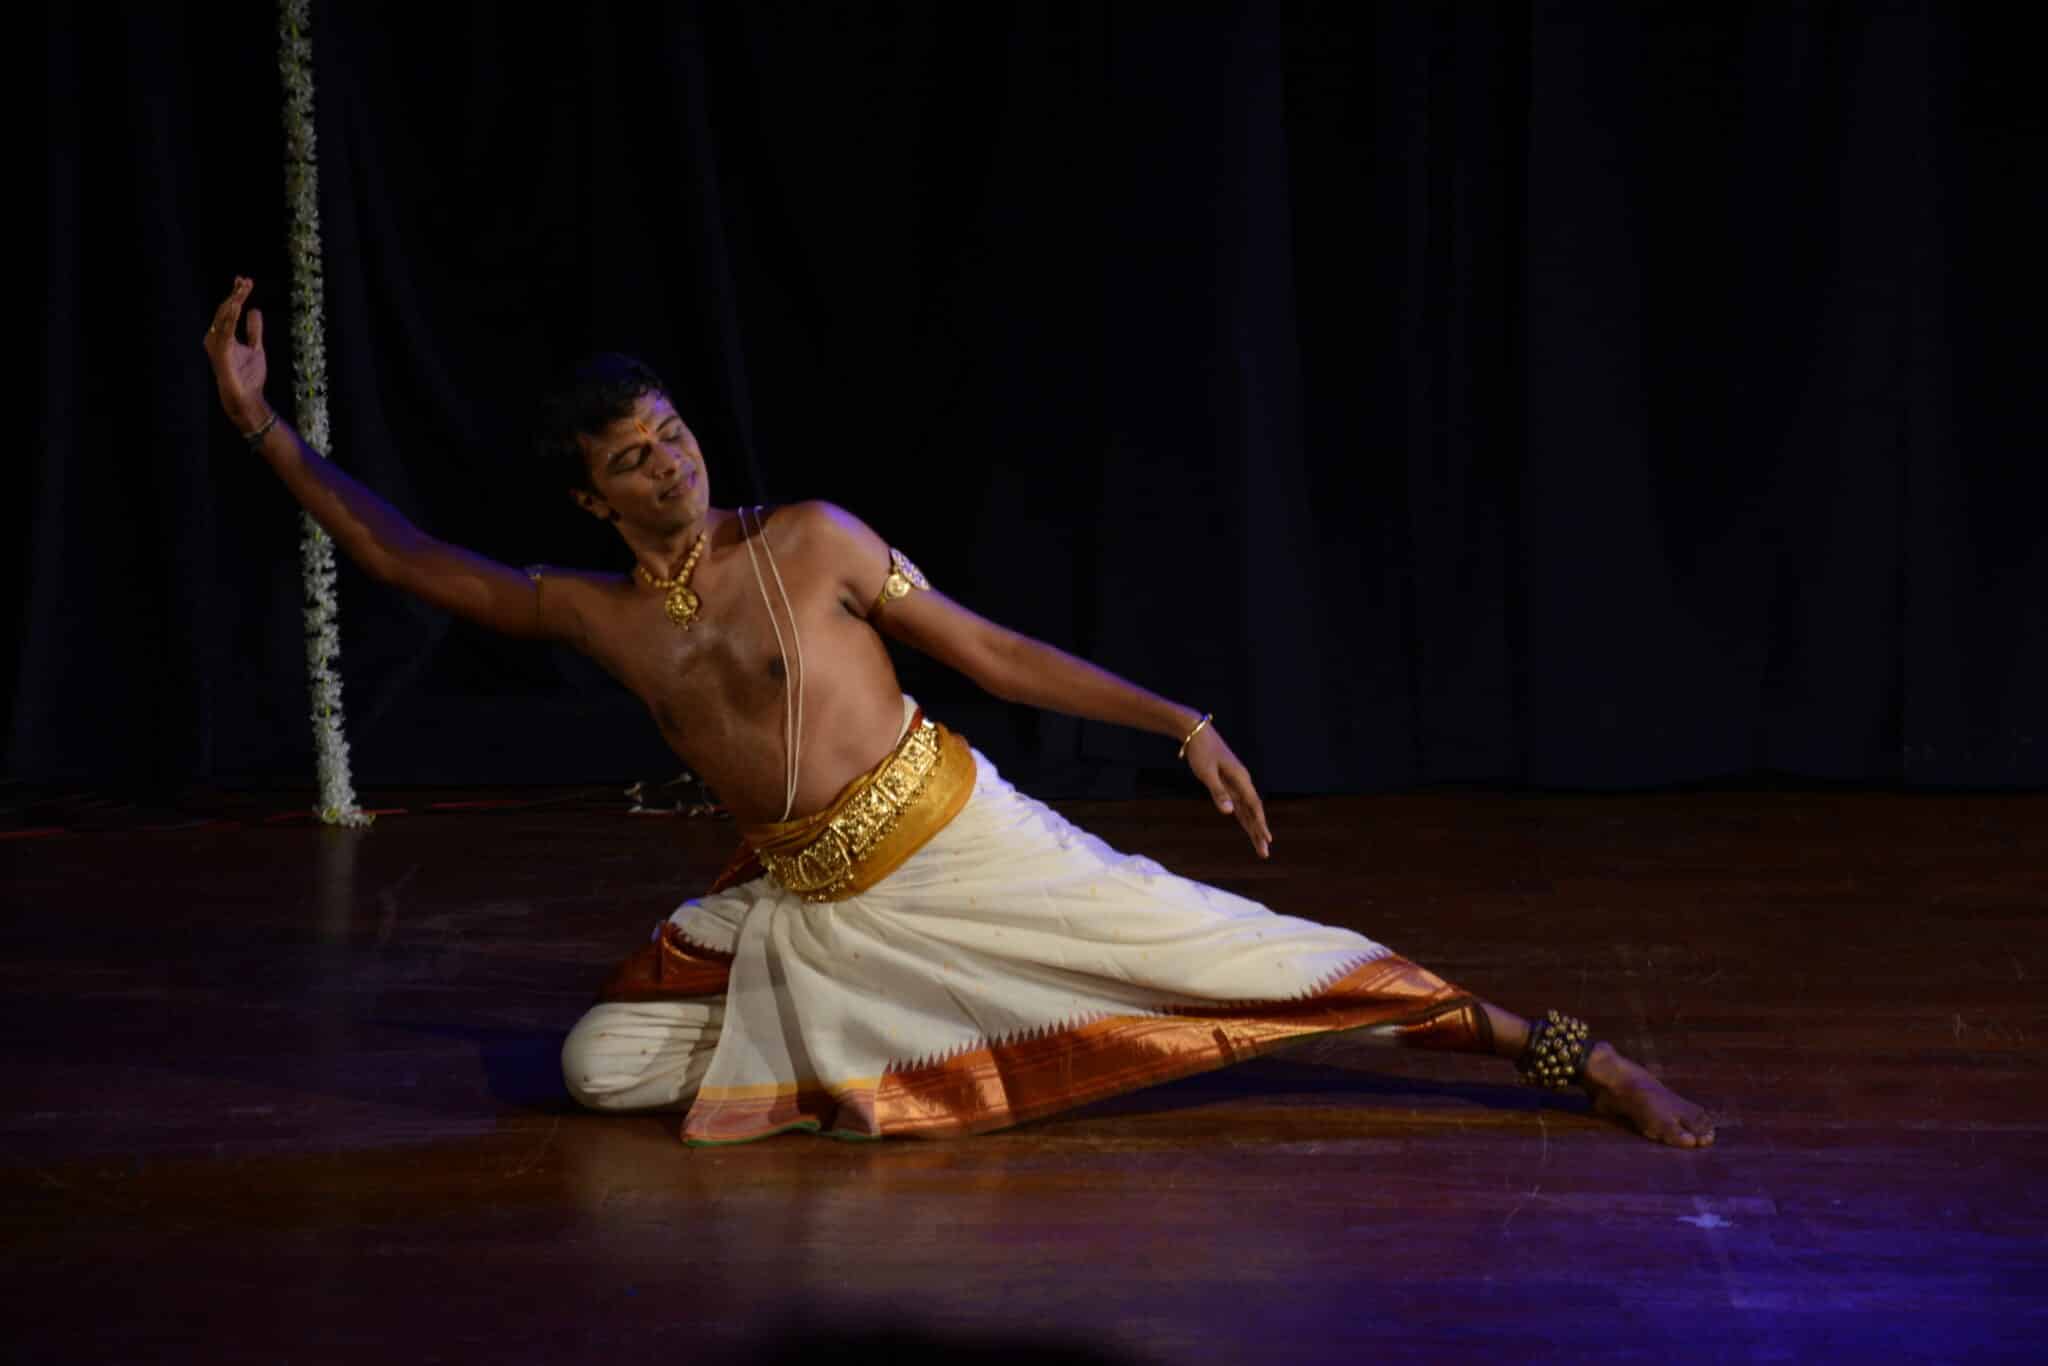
[338, 805]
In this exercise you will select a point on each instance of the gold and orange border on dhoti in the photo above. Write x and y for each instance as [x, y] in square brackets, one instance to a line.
[1000, 1084]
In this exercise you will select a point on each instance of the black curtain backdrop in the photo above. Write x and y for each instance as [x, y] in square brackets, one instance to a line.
[1568, 395]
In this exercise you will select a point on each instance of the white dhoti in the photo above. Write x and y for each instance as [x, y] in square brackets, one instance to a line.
[1013, 966]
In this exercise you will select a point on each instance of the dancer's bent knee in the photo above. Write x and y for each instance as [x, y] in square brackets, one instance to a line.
[641, 1055]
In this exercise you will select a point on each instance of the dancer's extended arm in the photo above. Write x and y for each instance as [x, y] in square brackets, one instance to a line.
[1018, 668]
[369, 530]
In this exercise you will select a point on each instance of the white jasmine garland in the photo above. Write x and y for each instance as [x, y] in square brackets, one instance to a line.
[338, 805]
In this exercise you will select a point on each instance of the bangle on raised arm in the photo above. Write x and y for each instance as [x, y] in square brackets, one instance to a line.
[255, 438]
[1199, 726]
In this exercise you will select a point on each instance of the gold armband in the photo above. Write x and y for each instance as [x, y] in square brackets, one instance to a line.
[903, 576]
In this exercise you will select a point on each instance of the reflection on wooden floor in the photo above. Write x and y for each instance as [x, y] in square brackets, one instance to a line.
[279, 1093]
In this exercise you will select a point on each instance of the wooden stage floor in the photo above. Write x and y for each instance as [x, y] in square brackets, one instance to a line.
[284, 1094]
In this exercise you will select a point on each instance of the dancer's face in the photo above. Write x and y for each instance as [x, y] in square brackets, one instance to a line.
[647, 470]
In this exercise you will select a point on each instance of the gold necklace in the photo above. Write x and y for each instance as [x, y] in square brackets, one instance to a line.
[682, 604]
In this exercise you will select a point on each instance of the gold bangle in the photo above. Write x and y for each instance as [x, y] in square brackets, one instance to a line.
[1193, 733]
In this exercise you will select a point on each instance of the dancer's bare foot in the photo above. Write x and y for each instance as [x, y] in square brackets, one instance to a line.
[1623, 1090]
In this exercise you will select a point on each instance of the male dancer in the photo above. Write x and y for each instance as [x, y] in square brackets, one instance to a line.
[908, 946]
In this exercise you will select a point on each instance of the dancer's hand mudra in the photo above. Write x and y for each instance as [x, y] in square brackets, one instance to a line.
[1230, 786]
[239, 369]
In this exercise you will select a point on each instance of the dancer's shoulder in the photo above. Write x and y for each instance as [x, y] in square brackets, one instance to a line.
[819, 525]
[836, 539]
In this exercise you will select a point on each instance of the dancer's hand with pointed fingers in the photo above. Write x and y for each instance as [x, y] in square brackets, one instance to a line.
[1230, 786]
[239, 369]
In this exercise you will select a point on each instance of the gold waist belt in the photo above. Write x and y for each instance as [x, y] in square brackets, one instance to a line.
[876, 822]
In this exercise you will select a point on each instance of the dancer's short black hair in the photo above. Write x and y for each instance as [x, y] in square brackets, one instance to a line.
[596, 393]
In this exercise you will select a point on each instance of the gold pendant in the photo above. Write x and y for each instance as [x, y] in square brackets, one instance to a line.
[682, 602]
[681, 605]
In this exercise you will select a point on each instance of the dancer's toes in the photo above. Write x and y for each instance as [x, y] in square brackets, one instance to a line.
[1622, 1090]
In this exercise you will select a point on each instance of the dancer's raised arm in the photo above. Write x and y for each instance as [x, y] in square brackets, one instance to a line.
[369, 530]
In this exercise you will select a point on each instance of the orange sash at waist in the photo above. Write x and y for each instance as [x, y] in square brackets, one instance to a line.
[876, 822]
